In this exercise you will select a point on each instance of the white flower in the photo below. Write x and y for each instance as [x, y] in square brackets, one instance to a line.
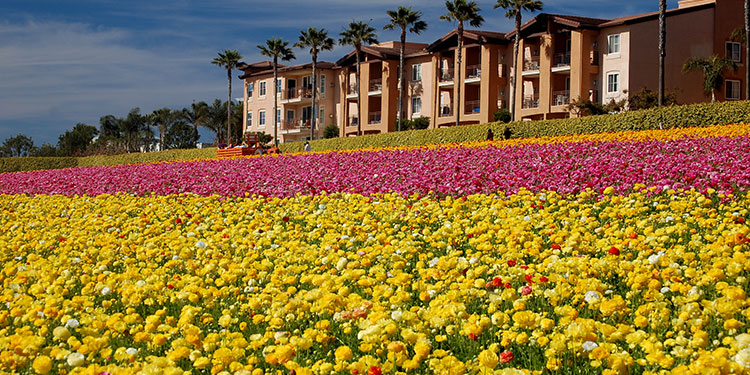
[72, 323]
[589, 346]
[396, 315]
[278, 335]
[743, 358]
[249, 289]
[434, 261]
[591, 296]
[201, 244]
[140, 284]
[75, 359]
[360, 253]
[341, 263]
[106, 291]
[473, 260]
[131, 351]
[654, 258]
[664, 289]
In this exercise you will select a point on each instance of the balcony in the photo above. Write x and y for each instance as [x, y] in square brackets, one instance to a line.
[351, 91]
[530, 102]
[296, 94]
[446, 111]
[562, 59]
[376, 85]
[374, 118]
[473, 71]
[446, 75]
[531, 64]
[561, 97]
[471, 107]
[296, 125]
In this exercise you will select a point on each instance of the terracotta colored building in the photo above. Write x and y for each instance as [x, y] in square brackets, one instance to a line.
[561, 57]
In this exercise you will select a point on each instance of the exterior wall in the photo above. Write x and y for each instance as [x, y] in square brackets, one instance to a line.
[621, 63]
[288, 129]
[424, 89]
[728, 15]
[689, 35]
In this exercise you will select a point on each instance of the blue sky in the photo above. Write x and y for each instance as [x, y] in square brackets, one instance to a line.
[64, 61]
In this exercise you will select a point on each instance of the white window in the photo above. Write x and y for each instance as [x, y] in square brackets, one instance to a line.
[613, 82]
[278, 86]
[278, 115]
[250, 90]
[732, 90]
[416, 72]
[614, 43]
[322, 85]
[734, 51]
[322, 113]
[416, 104]
[249, 119]
[261, 118]
[263, 88]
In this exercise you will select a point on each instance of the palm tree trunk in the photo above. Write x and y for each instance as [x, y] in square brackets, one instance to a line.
[401, 84]
[518, 67]
[458, 74]
[662, 47]
[747, 49]
[229, 107]
[275, 101]
[314, 95]
[713, 96]
[359, 109]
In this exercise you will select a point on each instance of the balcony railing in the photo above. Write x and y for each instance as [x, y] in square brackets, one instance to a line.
[353, 121]
[296, 124]
[530, 102]
[376, 84]
[446, 75]
[531, 64]
[294, 93]
[473, 71]
[446, 111]
[374, 118]
[562, 59]
[561, 97]
[471, 106]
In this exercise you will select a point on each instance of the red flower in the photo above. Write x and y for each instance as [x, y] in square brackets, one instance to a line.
[555, 246]
[526, 290]
[511, 262]
[285, 219]
[497, 282]
[170, 286]
[739, 220]
[508, 285]
[529, 279]
[543, 279]
[473, 336]
[355, 371]
[506, 356]
[178, 221]
[469, 235]
[614, 251]
[524, 267]
[374, 370]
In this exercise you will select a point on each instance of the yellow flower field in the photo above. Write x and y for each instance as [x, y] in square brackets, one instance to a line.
[652, 282]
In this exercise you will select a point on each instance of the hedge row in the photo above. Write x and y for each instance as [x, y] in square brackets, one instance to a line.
[38, 163]
[704, 114]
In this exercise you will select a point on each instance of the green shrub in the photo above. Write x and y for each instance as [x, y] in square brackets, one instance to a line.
[331, 131]
[33, 163]
[703, 114]
[503, 115]
[147, 157]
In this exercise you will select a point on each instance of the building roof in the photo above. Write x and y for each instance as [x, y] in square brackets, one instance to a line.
[655, 15]
[268, 68]
[382, 53]
[539, 23]
[482, 37]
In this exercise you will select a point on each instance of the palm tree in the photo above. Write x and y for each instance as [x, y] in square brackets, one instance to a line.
[276, 49]
[163, 118]
[747, 50]
[713, 69]
[195, 114]
[359, 33]
[228, 60]
[662, 47]
[513, 10]
[461, 11]
[404, 18]
[316, 40]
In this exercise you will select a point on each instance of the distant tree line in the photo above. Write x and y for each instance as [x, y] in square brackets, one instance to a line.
[163, 129]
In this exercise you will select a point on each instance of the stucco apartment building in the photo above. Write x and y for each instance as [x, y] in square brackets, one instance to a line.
[561, 57]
